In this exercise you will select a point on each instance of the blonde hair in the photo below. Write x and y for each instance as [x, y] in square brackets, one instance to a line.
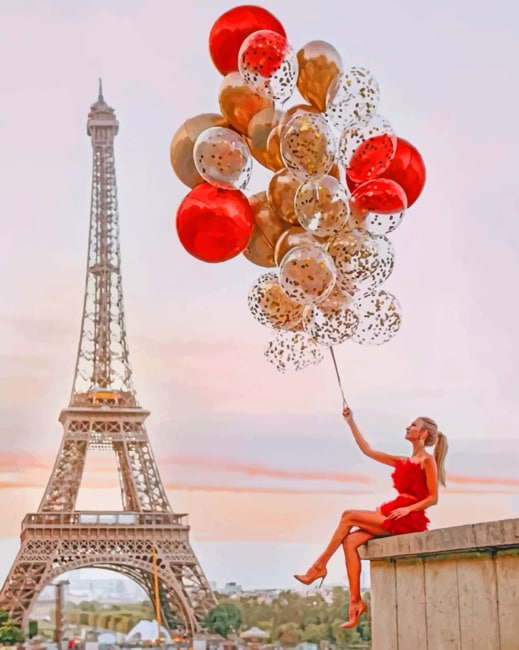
[438, 439]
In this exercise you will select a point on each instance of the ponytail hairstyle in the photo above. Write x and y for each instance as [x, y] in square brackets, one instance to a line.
[439, 441]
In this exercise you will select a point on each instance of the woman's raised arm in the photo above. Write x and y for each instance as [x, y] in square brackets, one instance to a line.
[380, 456]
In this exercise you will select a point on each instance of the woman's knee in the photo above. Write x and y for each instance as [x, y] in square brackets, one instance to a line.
[350, 542]
[346, 515]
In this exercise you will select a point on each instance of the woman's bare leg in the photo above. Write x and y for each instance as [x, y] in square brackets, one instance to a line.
[370, 521]
[352, 558]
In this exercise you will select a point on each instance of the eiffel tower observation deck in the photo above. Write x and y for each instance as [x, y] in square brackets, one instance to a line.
[146, 540]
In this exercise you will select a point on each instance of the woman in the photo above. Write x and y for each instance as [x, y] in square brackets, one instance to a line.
[415, 478]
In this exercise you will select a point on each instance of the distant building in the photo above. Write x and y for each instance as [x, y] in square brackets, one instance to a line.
[231, 589]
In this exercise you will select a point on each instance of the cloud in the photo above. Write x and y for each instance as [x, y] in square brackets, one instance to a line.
[482, 480]
[36, 329]
[270, 472]
[201, 473]
[22, 461]
[244, 489]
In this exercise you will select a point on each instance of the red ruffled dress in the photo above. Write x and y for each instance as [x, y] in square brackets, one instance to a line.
[410, 482]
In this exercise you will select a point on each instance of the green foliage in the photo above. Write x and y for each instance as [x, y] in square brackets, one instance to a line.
[118, 618]
[88, 606]
[344, 637]
[291, 618]
[289, 634]
[313, 633]
[10, 632]
[288, 617]
[223, 618]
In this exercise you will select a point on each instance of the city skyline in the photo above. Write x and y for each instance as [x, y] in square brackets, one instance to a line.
[262, 462]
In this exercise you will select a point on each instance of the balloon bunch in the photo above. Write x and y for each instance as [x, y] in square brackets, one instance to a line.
[342, 181]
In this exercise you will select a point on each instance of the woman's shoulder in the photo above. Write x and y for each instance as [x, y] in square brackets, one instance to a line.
[422, 461]
[427, 461]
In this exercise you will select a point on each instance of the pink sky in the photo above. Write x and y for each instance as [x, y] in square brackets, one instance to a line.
[251, 454]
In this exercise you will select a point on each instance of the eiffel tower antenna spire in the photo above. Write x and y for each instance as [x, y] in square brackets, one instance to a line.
[103, 358]
[100, 96]
[145, 540]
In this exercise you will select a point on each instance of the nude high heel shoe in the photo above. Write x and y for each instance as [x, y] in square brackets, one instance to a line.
[311, 575]
[357, 611]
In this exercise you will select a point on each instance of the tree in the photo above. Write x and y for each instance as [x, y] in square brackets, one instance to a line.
[289, 634]
[314, 633]
[10, 632]
[223, 618]
[344, 637]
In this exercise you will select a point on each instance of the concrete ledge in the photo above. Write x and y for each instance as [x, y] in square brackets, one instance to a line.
[446, 589]
[473, 537]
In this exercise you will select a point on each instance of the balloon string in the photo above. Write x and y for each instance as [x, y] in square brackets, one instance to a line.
[344, 402]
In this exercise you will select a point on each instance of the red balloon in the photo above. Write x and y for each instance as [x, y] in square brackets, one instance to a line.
[214, 224]
[407, 169]
[232, 28]
[380, 195]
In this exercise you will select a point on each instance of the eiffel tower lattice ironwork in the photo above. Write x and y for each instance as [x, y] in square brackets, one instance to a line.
[146, 538]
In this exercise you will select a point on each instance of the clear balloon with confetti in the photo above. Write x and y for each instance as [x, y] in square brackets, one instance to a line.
[380, 317]
[293, 351]
[307, 274]
[378, 205]
[268, 63]
[354, 253]
[222, 158]
[322, 206]
[308, 146]
[330, 325]
[385, 262]
[353, 95]
[270, 305]
[367, 148]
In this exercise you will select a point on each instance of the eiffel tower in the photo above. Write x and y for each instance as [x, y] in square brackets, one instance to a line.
[146, 540]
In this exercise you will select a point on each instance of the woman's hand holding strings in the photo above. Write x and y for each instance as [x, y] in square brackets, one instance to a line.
[347, 414]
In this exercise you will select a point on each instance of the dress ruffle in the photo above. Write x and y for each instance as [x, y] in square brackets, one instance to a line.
[414, 522]
[408, 479]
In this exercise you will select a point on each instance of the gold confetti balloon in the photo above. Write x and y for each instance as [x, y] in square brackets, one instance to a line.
[239, 103]
[322, 206]
[293, 351]
[281, 193]
[181, 148]
[222, 158]
[380, 317]
[329, 325]
[336, 299]
[307, 274]
[355, 257]
[267, 230]
[353, 95]
[319, 63]
[270, 306]
[385, 262]
[308, 146]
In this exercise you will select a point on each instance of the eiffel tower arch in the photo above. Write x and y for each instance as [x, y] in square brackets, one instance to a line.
[146, 539]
